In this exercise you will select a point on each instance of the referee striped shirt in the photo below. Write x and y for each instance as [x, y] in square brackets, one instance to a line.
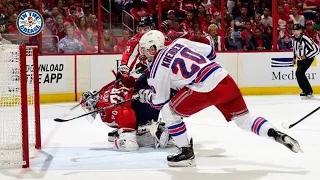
[305, 46]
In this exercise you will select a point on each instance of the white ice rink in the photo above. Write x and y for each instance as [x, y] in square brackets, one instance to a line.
[78, 150]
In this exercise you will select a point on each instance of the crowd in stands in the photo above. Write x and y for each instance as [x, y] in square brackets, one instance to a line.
[72, 27]
[248, 23]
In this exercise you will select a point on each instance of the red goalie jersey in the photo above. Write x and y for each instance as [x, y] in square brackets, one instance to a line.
[121, 116]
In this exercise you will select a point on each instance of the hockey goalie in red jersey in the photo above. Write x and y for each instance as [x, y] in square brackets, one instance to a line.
[129, 136]
[190, 68]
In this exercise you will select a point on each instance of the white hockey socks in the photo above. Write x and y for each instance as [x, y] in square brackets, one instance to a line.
[257, 125]
[178, 133]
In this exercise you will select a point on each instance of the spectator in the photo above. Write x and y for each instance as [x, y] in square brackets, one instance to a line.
[235, 42]
[266, 19]
[4, 19]
[187, 24]
[107, 42]
[236, 12]
[187, 5]
[171, 15]
[122, 43]
[310, 8]
[196, 26]
[13, 30]
[72, 18]
[240, 22]
[259, 41]
[60, 6]
[86, 11]
[82, 25]
[257, 23]
[268, 32]
[60, 26]
[3, 40]
[255, 8]
[311, 33]
[213, 37]
[10, 10]
[296, 17]
[214, 9]
[90, 41]
[201, 13]
[54, 14]
[165, 26]
[49, 28]
[174, 32]
[282, 14]
[93, 22]
[247, 32]
[227, 16]
[199, 37]
[285, 43]
[69, 44]
[207, 22]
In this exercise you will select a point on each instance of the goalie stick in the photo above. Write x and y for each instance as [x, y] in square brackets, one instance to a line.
[96, 111]
[289, 126]
[104, 87]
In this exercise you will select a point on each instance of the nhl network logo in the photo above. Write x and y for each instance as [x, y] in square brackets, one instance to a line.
[30, 22]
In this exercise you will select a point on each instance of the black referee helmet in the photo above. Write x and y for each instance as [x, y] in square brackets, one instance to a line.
[297, 27]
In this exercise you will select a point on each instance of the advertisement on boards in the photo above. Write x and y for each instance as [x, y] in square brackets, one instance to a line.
[55, 74]
[272, 69]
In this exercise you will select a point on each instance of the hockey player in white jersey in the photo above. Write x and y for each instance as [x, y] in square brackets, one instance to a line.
[190, 68]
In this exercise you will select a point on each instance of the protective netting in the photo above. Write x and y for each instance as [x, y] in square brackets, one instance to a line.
[11, 143]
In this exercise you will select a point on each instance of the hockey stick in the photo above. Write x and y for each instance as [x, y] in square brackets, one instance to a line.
[86, 114]
[98, 92]
[289, 126]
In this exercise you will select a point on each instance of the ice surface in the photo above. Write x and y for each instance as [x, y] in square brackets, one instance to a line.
[79, 150]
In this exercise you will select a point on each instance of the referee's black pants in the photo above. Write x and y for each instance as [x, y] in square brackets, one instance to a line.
[303, 66]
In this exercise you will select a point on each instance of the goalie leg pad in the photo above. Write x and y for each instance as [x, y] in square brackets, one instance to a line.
[127, 141]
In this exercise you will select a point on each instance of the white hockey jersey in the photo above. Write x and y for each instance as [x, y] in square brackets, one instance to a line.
[184, 63]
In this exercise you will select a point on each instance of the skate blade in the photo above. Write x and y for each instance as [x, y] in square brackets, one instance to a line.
[295, 145]
[186, 163]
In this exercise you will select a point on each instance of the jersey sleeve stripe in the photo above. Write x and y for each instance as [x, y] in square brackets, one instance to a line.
[155, 64]
[206, 71]
[212, 54]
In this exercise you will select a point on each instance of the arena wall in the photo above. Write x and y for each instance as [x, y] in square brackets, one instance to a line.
[63, 78]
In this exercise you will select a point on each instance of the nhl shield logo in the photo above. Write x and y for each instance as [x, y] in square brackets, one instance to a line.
[30, 22]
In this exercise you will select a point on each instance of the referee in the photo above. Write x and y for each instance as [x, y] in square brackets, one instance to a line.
[304, 52]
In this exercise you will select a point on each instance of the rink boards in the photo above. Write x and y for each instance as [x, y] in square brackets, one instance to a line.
[64, 77]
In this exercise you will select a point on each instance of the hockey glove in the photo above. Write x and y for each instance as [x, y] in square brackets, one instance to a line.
[145, 95]
[141, 68]
[124, 70]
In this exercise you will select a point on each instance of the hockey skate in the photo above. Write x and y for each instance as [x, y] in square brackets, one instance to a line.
[305, 96]
[184, 158]
[112, 135]
[286, 140]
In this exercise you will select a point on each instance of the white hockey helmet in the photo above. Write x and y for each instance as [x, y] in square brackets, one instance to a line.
[152, 38]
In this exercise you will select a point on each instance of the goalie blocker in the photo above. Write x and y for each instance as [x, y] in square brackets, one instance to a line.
[129, 133]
